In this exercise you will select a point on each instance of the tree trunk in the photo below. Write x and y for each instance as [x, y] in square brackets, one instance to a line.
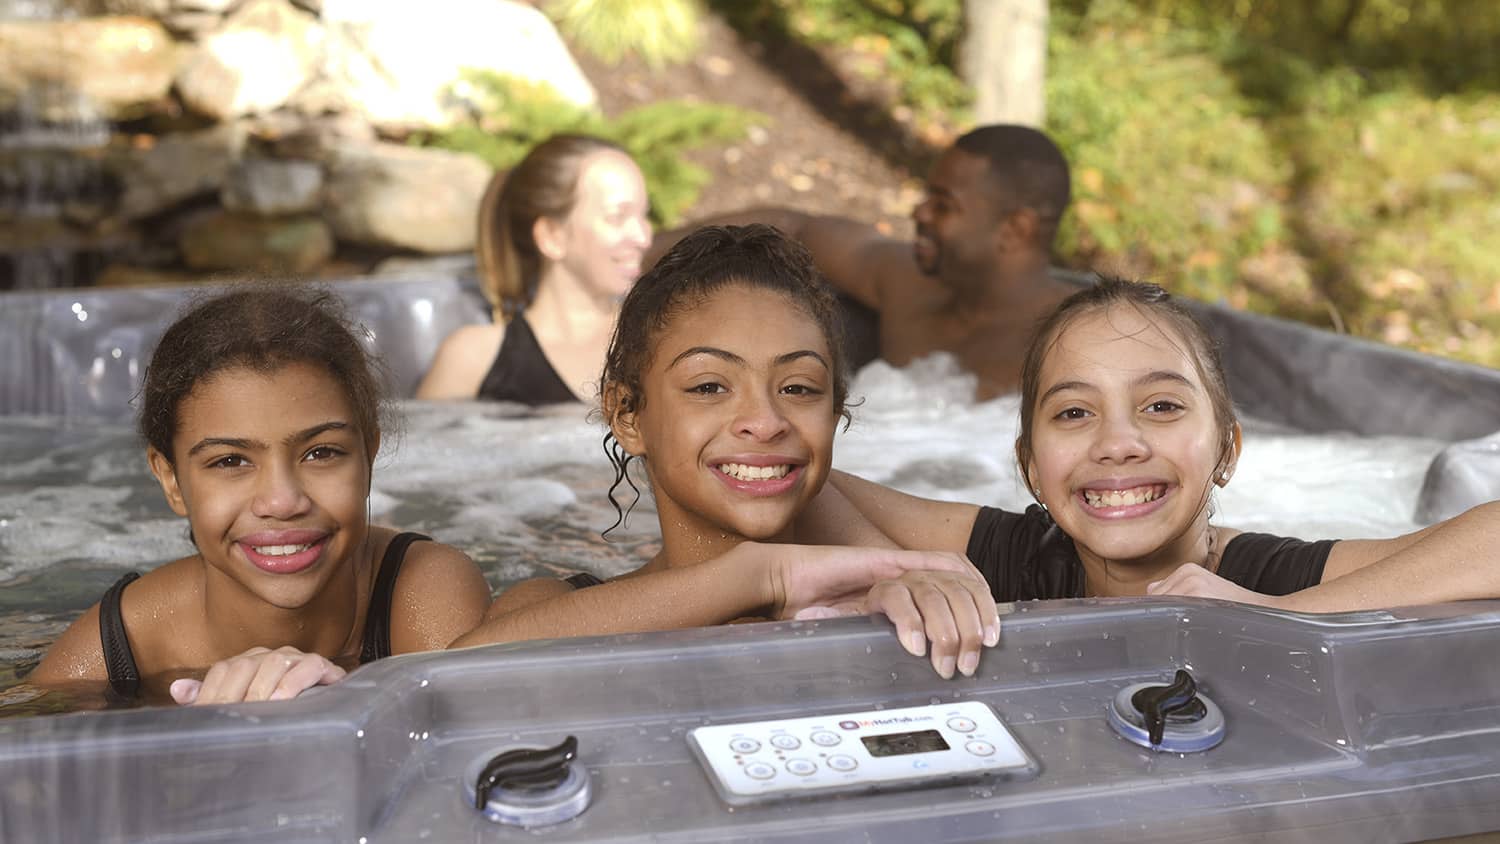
[1004, 60]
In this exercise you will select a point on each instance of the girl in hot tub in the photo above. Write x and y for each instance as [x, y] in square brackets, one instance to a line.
[1126, 429]
[725, 379]
[260, 412]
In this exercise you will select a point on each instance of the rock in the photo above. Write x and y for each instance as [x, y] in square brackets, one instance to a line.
[288, 135]
[217, 7]
[397, 62]
[140, 8]
[126, 275]
[269, 186]
[192, 26]
[396, 196]
[262, 55]
[226, 241]
[176, 168]
[120, 64]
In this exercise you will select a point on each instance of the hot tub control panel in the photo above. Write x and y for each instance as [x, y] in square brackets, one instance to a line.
[857, 751]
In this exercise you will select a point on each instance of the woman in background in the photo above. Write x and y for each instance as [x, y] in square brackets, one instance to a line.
[561, 239]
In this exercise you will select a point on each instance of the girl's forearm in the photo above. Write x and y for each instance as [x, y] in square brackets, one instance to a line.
[1455, 560]
[722, 589]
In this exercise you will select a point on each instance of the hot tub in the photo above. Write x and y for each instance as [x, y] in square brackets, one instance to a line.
[1361, 728]
[1370, 727]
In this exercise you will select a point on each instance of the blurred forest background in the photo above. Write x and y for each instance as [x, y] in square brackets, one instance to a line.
[1331, 161]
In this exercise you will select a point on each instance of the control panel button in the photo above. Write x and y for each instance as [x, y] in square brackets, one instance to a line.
[962, 725]
[801, 767]
[785, 742]
[759, 771]
[842, 763]
[980, 748]
[744, 745]
[823, 738]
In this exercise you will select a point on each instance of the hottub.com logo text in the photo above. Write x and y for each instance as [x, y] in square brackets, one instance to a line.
[883, 722]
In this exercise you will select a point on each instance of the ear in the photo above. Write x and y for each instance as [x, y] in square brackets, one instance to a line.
[166, 475]
[550, 237]
[1234, 441]
[1018, 229]
[620, 413]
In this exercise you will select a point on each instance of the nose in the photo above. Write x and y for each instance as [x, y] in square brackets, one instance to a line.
[1120, 439]
[279, 494]
[759, 417]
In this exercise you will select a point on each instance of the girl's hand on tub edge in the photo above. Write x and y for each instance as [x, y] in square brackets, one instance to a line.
[258, 674]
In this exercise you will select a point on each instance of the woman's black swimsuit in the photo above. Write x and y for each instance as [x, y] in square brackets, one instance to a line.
[1026, 556]
[125, 678]
[522, 373]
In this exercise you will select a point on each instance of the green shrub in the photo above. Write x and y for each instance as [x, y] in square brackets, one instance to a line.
[512, 116]
[661, 32]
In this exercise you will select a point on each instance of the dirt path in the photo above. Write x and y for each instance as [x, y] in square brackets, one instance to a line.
[818, 150]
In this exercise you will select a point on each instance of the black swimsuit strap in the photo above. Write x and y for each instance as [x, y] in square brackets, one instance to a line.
[377, 638]
[582, 580]
[124, 677]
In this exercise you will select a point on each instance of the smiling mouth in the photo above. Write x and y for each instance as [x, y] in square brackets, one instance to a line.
[742, 472]
[280, 550]
[1105, 498]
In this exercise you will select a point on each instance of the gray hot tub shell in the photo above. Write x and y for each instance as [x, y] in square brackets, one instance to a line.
[1362, 728]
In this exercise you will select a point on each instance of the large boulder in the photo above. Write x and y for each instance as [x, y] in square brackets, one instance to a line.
[389, 195]
[397, 62]
[262, 55]
[119, 64]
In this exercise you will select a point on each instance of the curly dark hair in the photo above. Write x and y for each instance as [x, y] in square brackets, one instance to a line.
[262, 327]
[698, 266]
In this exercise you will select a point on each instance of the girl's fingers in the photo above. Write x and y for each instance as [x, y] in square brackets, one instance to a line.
[228, 680]
[185, 690]
[313, 670]
[268, 676]
[894, 600]
[942, 625]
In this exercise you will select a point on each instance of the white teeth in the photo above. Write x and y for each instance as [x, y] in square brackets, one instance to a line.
[741, 472]
[1122, 497]
[280, 550]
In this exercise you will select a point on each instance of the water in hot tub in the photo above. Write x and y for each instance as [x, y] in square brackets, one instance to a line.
[525, 492]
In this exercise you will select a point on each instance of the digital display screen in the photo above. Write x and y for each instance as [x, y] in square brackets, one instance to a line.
[900, 744]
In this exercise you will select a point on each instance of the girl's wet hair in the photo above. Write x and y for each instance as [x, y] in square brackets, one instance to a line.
[1152, 302]
[262, 328]
[544, 184]
[700, 265]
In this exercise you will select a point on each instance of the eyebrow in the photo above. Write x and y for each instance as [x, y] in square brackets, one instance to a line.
[247, 445]
[1153, 377]
[735, 359]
